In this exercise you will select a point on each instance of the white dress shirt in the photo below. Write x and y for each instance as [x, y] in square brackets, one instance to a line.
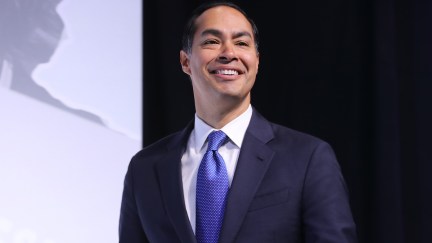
[196, 148]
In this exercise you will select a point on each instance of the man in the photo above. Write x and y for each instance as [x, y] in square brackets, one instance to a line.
[284, 186]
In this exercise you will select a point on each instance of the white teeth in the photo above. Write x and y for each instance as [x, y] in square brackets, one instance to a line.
[227, 72]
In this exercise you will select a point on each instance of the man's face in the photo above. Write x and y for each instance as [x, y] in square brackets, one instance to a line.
[223, 63]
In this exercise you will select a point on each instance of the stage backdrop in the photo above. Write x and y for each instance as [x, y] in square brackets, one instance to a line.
[70, 117]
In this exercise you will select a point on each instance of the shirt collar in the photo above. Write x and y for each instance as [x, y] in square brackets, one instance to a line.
[235, 129]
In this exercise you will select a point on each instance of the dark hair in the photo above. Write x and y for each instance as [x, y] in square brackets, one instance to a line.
[190, 27]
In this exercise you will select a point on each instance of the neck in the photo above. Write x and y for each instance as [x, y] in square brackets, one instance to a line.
[217, 116]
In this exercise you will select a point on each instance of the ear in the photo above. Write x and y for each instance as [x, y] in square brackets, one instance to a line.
[258, 56]
[184, 61]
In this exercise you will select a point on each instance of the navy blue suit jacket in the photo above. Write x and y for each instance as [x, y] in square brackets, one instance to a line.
[287, 187]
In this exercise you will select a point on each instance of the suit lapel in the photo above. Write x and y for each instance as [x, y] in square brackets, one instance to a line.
[169, 173]
[255, 156]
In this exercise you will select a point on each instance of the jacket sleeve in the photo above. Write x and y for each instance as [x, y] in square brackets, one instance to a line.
[130, 229]
[326, 210]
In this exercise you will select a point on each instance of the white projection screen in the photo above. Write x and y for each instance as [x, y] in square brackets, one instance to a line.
[70, 117]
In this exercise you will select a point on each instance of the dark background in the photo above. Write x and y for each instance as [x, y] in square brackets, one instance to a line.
[356, 73]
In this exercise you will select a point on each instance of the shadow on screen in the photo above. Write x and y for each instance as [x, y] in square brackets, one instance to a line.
[30, 31]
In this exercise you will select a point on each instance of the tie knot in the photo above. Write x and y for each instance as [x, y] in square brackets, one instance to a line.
[216, 139]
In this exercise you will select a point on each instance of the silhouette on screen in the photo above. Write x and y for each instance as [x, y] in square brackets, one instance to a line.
[30, 31]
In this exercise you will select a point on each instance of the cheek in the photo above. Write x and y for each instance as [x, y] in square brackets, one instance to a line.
[200, 66]
[198, 62]
[195, 67]
[252, 61]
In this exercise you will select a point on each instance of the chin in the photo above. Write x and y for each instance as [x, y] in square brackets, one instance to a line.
[237, 96]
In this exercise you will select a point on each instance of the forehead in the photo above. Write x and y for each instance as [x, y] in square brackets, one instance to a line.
[224, 19]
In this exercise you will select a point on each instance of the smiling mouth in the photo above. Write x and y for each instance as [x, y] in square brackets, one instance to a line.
[226, 72]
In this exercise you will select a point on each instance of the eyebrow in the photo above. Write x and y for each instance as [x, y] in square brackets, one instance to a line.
[218, 33]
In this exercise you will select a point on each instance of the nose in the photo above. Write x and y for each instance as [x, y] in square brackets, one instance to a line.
[227, 53]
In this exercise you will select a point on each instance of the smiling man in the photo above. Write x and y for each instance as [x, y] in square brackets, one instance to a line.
[222, 64]
[231, 175]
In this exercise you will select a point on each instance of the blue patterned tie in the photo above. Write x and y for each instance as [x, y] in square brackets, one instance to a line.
[211, 190]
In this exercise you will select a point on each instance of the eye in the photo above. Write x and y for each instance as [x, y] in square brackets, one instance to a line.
[242, 43]
[210, 42]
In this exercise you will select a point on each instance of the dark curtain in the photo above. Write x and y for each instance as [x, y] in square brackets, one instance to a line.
[356, 73]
